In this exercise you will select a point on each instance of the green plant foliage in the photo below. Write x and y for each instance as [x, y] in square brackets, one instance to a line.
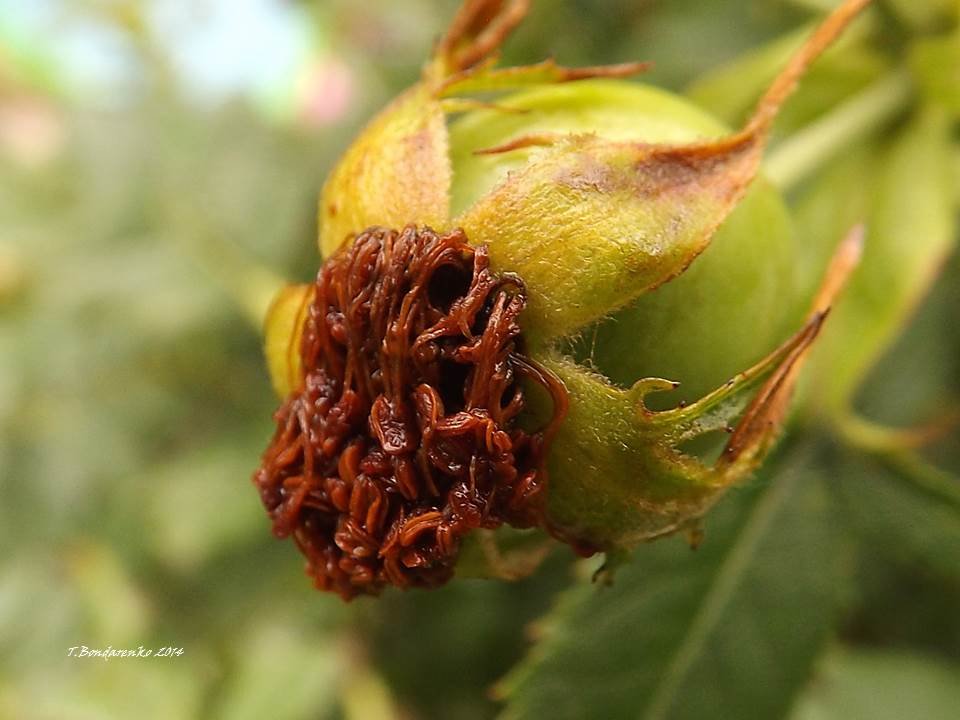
[862, 685]
[911, 511]
[145, 224]
[731, 628]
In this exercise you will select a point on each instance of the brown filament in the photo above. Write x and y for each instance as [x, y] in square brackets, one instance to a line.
[402, 436]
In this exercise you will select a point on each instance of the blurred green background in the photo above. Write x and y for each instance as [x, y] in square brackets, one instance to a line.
[159, 164]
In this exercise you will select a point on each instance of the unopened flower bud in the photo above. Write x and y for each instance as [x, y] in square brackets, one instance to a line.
[432, 382]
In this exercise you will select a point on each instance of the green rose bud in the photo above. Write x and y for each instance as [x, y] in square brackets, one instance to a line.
[498, 294]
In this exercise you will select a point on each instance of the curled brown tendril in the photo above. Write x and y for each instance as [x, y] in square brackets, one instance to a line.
[402, 437]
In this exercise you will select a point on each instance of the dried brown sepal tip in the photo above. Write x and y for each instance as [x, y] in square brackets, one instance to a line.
[401, 438]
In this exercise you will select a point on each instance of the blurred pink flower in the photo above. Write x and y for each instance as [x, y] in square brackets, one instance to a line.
[31, 130]
[325, 92]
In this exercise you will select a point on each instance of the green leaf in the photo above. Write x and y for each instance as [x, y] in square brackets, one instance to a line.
[925, 14]
[284, 670]
[861, 685]
[115, 689]
[729, 91]
[907, 509]
[929, 58]
[862, 115]
[955, 171]
[730, 630]
[915, 383]
[196, 512]
[116, 606]
[478, 623]
[910, 234]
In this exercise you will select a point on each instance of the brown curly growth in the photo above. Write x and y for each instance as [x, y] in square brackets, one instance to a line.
[401, 439]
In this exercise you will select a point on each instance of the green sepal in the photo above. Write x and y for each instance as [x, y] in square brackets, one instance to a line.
[396, 172]
[505, 553]
[591, 223]
[282, 331]
[619, 472]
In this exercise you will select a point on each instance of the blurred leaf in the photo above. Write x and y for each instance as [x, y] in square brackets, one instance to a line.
[731, 90]
[683, 37]
[282, 671]
[902, 604]
[936, 64]
[955, 167]
[818, 5]
[730, 630]
[862, 685]
[926, 14]
[116, 607]
[916, 519]
[115, 689]
[910, 234]
[864, 114]
[913, 384]
[197, 509]
[441, 650]
[367, 697]
[37, 612]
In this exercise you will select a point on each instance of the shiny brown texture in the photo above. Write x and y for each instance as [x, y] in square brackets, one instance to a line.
[402, 437]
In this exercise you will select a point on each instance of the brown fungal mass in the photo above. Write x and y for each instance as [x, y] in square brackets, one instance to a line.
[402, 437]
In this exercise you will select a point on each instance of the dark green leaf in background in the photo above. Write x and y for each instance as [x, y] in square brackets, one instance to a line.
[870, 685]
[728, 630]
[909, 509]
